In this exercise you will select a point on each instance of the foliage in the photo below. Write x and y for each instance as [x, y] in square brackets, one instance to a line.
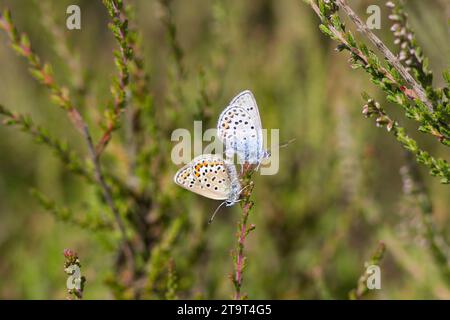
[421, 102]
[100, 162]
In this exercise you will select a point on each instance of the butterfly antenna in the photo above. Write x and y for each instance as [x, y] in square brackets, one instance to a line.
[283, 145]
[215, 212]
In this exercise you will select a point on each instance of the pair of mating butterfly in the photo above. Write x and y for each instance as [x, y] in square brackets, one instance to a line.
[239, 128]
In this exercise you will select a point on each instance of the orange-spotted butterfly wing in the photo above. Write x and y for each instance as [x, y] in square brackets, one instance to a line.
[210, 176]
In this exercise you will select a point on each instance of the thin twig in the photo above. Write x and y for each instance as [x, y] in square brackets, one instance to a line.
[356, 51]
[361, 287]
[240, 259]
[391, 58]
[107, 191]
[119, 27]
[42, 72]
[416, 188]
[438, 167]
[61, 45]
[72, 267]
[243, 231]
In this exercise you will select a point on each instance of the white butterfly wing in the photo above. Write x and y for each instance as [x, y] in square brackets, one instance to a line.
[206, 175]
[240, 132]
[247, 101]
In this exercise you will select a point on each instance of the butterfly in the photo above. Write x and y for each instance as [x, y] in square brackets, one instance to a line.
[211, 176]
[239, 128]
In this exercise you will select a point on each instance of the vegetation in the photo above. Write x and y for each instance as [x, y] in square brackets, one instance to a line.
[102, 102]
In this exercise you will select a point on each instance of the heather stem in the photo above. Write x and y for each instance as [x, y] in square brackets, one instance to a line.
[416, 189]
[243, 231]
[72, 267]
[361, 287]
[119, 27]
[43, 73]
[418, 89]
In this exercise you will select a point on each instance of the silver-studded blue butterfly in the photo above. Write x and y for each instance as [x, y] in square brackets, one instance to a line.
[211, 176]
[239, 128]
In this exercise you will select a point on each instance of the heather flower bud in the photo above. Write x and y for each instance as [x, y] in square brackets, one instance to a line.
[390, 4]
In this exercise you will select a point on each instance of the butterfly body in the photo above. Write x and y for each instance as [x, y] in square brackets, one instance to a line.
[211, 176]
[239, 128]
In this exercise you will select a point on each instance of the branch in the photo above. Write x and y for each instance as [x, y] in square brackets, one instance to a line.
[107, 194]
[72, 266]
[40, 71]
[391, 58]
[361, 286]
[171, 29]
[43, 73]
[438, 167]
[66, 215]
[119, 27]
[160, 255]
[61, 45]
[409, 51]
[179, 73]
[69, 158]
[413, 186]
[243, 231]
[172, 285]
[386, 77]
[61, 150]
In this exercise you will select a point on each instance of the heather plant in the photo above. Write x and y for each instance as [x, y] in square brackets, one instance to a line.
[361, 287]
[99, 163]
[76, 282]
[415, 93]
[128, 201]
[420, 101]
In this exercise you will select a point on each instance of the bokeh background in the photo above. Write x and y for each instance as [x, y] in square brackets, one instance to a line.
[338, 191]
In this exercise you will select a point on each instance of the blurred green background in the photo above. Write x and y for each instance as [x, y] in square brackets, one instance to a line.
[338, 191]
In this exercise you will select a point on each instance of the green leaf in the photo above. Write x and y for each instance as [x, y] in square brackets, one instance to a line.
[326, 30]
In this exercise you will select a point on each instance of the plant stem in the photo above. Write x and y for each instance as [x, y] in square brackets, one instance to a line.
[71, 264]
[388, 78]
[438, 167]
[43, 73]
[361, 287]
[107, 194]
[25, 123]
[437, 244]
[119, 27]
[340, 36]
[61, 45]
[240, 258]
[243, 231]
[171, 29]
[67, 215]
[391, 58]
